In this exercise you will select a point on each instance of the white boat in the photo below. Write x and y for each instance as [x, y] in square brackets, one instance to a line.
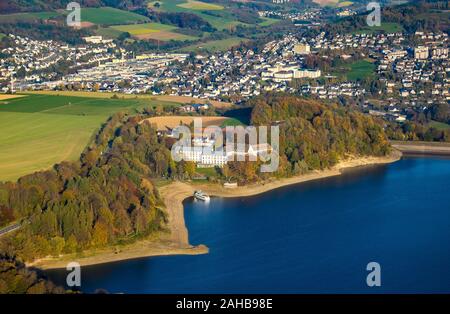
[201, 196]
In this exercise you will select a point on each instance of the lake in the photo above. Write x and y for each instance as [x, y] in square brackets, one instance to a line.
[314, 237]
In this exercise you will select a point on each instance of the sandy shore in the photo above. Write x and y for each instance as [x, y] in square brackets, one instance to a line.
[139, 249]
[423, 148]
[177, 241]
[174, 242]
[176, 192]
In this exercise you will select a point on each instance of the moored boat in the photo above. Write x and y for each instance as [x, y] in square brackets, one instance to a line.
[201, 196]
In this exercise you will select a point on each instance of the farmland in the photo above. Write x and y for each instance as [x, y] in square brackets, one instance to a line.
[384, 27]
[360, 70]
[215, 45]
[161, 99]
[108, 32]
[33, 141]
[268, 21]
[345, 4]
[155, 31]
[439, 125]
[333, 3]
[173, 121]
[100, 16]
[185, 5]
[110, 16]
[220, 18]
[38, 131]
[26, 17]
[198, 5]
[6, 96]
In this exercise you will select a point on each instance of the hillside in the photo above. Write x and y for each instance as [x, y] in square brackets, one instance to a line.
[16, 279]
[109, 195]
[136, 24]
[14, 6]
[421, 15]
[104, 198]
[314, 136]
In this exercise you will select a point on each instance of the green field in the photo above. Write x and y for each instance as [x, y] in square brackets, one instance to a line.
[102, 16]
[333, 3]
[108, 32]
[185, 5]
[26, 17]
[38, 131]
[110, 16]
[207, 172]
[384, 27]
[268, 21]
[439, 125]
[139, 29]
[215, 45]
[33, 141]
[218, 17]
[153, 31]
[231, 122]
[344, 4]
[360, 70]
[199, 5]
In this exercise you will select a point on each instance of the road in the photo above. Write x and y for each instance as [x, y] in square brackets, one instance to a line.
[424, 148]
[10, 229]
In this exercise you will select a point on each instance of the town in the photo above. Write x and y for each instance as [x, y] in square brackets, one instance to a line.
[403, 72]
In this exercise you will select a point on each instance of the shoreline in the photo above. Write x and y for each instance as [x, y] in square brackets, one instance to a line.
[255, 189]
[177, 241]
[422, 148]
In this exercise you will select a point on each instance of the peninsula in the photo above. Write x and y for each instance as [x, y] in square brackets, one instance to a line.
[176, 242]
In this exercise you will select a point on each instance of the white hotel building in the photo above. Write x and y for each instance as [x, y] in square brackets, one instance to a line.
[204, 156]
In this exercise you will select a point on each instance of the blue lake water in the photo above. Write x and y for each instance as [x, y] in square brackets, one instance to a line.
[314, 237]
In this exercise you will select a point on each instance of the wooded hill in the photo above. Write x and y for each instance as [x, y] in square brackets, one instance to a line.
[13, 6]
[313, 136]
[109, 197]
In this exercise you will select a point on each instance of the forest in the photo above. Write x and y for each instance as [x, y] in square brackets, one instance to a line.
[421, 125]
[413, 16]
[105, 198]
[16, 278]
[109, 196]
[42, 31]
[313, 136]
[179, 19]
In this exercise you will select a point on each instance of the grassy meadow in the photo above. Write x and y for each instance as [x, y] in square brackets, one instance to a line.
[333, 3]
[439, 125]
[360, 70]
[214, 45]
[199, 5]
[152, 31]
[38, 131]
[26, 17]
[101, 16]
[110, 16]
[215, 14]
[384, 27]
[267, 21]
